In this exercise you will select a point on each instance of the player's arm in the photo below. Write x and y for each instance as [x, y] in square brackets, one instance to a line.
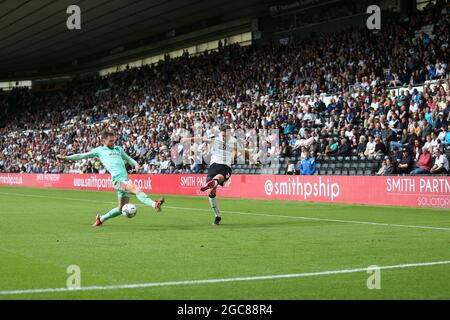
[78, 156]
[129, 160]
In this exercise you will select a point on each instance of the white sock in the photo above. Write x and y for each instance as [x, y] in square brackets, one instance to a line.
[213, 203]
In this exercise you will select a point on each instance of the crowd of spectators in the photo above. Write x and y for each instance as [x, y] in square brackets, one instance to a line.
[252, 88]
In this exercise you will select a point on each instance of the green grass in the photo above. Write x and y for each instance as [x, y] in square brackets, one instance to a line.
[43, 231]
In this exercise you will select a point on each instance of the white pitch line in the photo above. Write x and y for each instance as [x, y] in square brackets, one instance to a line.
[253, 214]
[224, 280]
[319, 219]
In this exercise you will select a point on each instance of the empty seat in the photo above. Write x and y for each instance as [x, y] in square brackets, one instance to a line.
[361, 165]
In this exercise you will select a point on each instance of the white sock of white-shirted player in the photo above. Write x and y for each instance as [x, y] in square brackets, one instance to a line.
[214, 207]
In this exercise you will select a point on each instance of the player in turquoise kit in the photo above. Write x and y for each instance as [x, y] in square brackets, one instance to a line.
[112, 157]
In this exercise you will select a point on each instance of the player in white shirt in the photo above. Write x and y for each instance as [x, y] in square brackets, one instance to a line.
[223, 152]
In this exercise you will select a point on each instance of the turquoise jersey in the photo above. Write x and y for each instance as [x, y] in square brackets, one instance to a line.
[112, 159]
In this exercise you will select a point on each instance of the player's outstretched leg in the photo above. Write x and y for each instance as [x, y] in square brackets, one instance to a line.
[142, 197]
[210, 185]
[213, 202]
[111, 214]
[99, 220]
[213, 183]
[149, 202]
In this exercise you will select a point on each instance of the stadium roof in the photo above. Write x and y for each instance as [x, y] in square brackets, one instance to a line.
[34, 38]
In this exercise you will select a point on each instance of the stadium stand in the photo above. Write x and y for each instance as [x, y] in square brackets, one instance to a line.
[352, 98]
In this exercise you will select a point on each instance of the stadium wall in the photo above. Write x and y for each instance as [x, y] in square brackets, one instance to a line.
[427, 191]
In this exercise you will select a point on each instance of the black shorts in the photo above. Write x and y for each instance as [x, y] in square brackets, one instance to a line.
[216, 169]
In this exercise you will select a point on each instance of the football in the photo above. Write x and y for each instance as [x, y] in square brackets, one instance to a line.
[129, 210]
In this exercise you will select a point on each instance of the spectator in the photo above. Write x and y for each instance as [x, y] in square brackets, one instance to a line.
[165, 165]
[370, 147]
[440, 162]
[429, 143]
[425, 163]
[196, 166]
[405, 164]
[390, 167]
[361, 146]
[441, 122]
[382, 169]
[447, 137]
[308, 164]
[291, 170]
[380, 147]
[331, 148]
[344, 148]
[284, 149]
[396, 155]
[417, 150]
[426, 129]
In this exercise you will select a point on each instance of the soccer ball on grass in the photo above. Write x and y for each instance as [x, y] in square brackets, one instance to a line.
[129, 210]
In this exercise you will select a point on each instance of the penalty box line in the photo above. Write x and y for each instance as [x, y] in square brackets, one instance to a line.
[251, 213]
[382, 224]
[224, 280]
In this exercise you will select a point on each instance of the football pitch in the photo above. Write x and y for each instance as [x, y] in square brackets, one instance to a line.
[262, 250]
